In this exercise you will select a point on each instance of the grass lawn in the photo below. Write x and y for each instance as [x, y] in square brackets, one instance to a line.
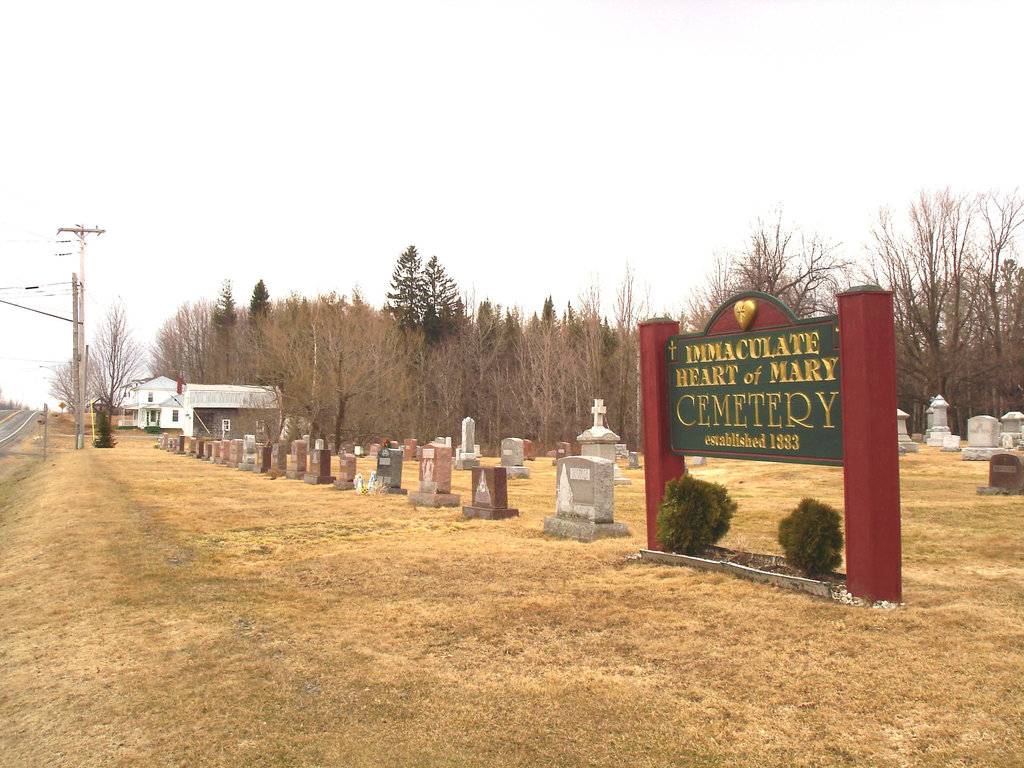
[161, 611]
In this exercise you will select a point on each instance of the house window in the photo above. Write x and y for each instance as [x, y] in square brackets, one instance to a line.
[174, 416]
[149, 398]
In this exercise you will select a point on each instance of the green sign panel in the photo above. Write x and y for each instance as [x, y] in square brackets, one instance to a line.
[770, 394]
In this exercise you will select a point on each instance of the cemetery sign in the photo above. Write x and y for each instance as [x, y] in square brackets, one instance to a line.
[759, 383]
[770, 394]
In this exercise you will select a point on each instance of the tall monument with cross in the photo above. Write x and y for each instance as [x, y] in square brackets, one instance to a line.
[600, 441]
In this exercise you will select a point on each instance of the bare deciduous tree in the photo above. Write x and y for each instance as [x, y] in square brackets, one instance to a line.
[116, 358]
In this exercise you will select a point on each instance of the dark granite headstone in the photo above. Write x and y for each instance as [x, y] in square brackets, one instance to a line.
[490, 495]
[319, 467]
[264, 459]
[1005, 474]
[389, 470]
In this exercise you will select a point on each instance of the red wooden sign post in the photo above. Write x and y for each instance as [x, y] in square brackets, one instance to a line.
[867, 383]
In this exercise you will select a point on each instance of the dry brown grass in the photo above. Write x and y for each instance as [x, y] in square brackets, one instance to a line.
[161, 611]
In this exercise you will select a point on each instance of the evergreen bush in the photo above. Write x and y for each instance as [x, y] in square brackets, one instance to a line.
[104, 435]
[812, 537]
[693, 514]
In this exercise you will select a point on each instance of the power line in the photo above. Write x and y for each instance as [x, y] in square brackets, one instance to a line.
[19, 306]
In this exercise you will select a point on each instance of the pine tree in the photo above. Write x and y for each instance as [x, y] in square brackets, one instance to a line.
[547, 315]
[406, 301]
[104, 435]
[259, 304]
[224, 314]
[440, 317]
[224, 318]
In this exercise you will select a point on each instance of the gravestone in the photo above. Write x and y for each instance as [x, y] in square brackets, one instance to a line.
[237, 446]
[621, 451]
[696, 461]
[358, 450]
[346, 472]
[435, 478]
[1012, 426]
[584, 507]
[180, 445]
[512, 457]
[319, 467]
[601, 442]
[389, 471]
[225, 452]
[529, 452]
[298, 460]
[1005, 475]
[215, 452]
[982, 439]
[562, 450]
[939, 428]
[410, 448]
[467, 457]
[951, 444]
[279, 457]
[634, 460]
[248, 460]
[374, 450]
[490, 495]
[903, 441]
[264, 459]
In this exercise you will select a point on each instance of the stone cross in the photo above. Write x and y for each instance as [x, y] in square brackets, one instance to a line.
[599, 411]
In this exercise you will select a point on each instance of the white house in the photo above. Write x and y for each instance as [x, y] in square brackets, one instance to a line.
[153, 403]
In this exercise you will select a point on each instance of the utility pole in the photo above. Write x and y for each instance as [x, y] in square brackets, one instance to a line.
[80, 232]
[76, 360]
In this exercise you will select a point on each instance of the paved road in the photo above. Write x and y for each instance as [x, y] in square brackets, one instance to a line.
[14, 424]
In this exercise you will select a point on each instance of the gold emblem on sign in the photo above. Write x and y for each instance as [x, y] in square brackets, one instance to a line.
[745, 311]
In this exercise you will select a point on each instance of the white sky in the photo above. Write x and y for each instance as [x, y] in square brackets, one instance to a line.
[532, 146]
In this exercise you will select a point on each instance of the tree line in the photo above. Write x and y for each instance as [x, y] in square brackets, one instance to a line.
[415, 367]
[350, 372]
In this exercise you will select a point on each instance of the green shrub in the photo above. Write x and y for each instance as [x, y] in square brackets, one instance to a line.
[104, 436]
[693, 514]
[812, 537]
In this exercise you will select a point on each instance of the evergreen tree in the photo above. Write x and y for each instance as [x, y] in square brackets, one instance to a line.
[259, 304]
[407, 301]
[104, 435]
[547, 315]
[443, 308]
[224, 318]
[224, 314]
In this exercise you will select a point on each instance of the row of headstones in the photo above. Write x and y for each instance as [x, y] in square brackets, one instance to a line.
[584, 507]
[986, 435]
